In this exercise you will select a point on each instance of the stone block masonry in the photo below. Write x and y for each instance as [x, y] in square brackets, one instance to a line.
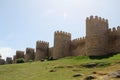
[19, 54]
[100, 40]
[42, 49]
[96, 36]
[62, 41]
[30, 54]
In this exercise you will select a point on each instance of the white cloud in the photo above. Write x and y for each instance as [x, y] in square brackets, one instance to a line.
[7, 52]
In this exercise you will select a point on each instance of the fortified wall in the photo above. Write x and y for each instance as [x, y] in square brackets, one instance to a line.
[114, 40]
[78, 46]
[100, 40]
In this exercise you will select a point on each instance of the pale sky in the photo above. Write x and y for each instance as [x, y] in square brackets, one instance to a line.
[23, 22]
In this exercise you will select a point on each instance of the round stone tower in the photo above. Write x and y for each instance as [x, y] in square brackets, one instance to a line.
[19, 54]
[96, 36]
[42, 49]
[62, 42]
[30, 54]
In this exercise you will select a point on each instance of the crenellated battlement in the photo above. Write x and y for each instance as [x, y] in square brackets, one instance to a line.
[42, 48]
[100, 40]
[29, 54]
[96, 19]
[62, 33]
[114, 29]
[78, 46]
[62, 42]
[78, 39]
[19, 54]
[96, 35]
[29, 49]
[42, 44]
[118, 28]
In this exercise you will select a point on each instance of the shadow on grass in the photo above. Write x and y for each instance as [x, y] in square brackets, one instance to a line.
[103, 56]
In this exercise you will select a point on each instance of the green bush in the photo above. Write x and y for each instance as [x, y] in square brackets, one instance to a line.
[20, 60]
[30, 61]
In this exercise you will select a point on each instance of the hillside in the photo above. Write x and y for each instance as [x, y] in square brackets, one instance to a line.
[62, 69]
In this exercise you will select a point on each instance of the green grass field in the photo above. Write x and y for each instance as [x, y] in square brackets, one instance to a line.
[62, 69]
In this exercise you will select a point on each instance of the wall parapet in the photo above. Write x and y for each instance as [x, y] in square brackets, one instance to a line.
[96, 18]
[78, 39]
[114, 29]
[78, 42]
[42, 44]
[19, 54]
[29, 49]
[62, 33]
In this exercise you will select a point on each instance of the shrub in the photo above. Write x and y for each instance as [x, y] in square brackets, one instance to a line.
[20, 60]
[30, 61]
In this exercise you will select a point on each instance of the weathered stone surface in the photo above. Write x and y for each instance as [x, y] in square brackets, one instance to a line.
[2, 61]
[94, 72]
[62, 41]
[53, 70]
[115, 74]
[14, 59]
[96, 64]
[42, 50]
[77, 75]
[89, 78]
[30, 54]
[89, 65]
[9, 60]
[100, 40]
[19, 54]
[96, 36]
[78, 46]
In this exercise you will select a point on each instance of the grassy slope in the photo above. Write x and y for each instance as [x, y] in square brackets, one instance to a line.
[65, 69]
